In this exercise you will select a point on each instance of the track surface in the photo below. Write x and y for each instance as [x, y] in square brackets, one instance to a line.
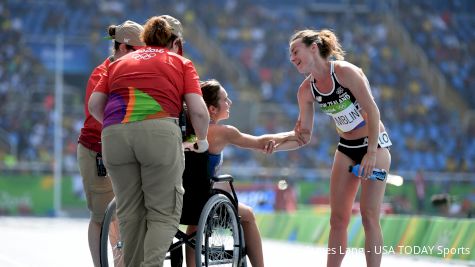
[51, 242]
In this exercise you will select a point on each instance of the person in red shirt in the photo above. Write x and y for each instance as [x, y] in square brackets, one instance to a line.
[139, 100]
[97, 185]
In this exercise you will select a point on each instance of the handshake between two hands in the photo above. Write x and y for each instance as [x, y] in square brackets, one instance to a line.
[301, 136]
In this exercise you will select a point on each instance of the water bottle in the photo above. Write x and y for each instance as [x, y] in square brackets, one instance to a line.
[378, 174]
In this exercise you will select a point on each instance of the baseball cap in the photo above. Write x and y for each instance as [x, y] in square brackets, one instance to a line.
[175, 24]
[128, 33]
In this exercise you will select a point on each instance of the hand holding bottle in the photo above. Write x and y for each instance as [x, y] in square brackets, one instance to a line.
[376, 175]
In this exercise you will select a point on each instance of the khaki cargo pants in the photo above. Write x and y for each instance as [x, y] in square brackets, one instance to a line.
[146, 161]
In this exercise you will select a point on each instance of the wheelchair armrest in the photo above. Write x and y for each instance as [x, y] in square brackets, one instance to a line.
[222, 178]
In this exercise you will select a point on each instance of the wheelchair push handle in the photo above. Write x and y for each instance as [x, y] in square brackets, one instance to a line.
[223, 178]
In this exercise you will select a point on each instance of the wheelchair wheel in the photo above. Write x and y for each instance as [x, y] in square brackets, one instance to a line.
[110, 242]
[219, 240]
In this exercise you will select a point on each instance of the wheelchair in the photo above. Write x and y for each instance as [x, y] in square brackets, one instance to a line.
[219, 238]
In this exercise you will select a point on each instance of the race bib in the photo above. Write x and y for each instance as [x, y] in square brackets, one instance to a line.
[383, 140]
[348, 118]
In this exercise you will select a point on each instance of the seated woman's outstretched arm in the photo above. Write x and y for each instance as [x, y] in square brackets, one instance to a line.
[265, 143]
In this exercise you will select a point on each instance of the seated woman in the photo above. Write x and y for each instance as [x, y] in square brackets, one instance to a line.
[219, 136]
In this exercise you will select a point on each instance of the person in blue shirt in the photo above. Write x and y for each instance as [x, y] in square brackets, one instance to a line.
[219, 136]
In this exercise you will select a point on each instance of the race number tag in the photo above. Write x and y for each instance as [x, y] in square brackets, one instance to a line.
[383, 140]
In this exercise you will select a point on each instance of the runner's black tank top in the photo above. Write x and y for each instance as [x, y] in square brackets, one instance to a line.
[340, 104]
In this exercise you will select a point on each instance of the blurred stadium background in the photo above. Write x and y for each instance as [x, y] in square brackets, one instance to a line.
[417, 54]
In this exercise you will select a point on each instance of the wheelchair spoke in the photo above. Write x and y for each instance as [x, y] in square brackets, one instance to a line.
[220, 238]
